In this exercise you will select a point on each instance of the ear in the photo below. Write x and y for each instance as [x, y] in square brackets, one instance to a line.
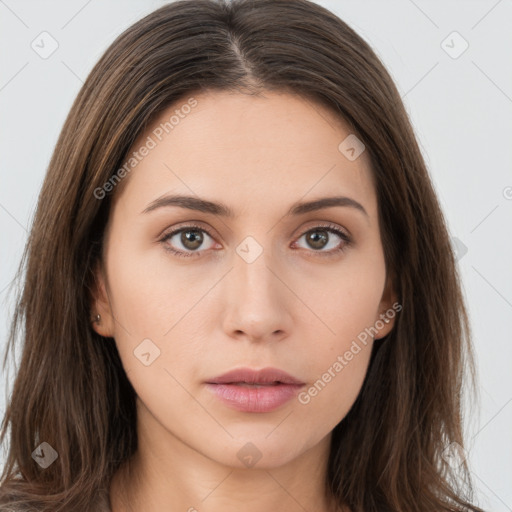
[101, 305]
[388, 310]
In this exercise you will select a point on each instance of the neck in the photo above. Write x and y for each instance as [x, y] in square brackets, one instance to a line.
[167, 474]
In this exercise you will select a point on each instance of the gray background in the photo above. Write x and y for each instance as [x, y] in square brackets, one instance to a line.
[461, 108]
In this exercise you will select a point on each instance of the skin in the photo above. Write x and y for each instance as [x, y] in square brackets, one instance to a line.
[293, 308]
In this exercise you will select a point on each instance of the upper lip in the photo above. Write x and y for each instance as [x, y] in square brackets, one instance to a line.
[251, 376]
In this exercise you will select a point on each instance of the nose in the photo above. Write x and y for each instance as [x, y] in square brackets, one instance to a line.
[257, 300]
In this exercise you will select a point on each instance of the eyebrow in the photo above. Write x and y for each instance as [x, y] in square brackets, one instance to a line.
[205, 206]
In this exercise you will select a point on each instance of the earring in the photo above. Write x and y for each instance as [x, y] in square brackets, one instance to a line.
[97, 319]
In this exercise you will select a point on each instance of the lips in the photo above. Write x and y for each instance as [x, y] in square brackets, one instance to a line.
[266, 376]
[248, 390]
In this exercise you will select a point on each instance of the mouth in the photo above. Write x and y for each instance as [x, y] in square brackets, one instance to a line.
[254, 385]
[264, 377]
[255, 391]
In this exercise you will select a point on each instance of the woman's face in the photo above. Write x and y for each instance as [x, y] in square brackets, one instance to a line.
[270, 285]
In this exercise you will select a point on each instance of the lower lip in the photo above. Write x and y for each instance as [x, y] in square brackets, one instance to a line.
[254, 399]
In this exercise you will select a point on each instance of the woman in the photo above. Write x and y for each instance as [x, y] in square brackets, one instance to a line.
[239, 283]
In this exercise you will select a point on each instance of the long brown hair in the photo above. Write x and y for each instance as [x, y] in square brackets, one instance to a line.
[71, 390]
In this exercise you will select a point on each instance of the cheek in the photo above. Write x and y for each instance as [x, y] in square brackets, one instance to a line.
[339, 351]
[328, 399]
[159, 310]
[150, 293]
[337, 370]
[345, 299]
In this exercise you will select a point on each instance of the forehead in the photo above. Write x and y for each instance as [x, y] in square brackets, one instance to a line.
[247, 149]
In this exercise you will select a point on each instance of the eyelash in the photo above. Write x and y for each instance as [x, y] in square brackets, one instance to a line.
[192, 227]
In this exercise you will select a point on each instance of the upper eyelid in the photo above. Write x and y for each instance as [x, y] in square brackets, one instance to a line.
[190, 225]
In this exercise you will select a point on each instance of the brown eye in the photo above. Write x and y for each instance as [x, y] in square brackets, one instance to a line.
[317, 239]
[191, 239]
[321, 237]
[188, 241]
